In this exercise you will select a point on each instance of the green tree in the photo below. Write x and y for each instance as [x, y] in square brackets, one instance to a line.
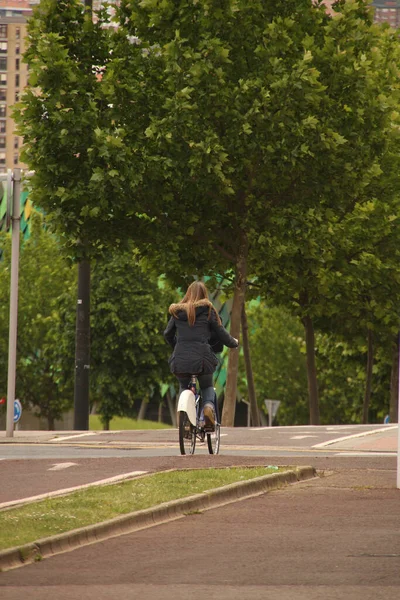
[45, 329]
[76, 153]
[278, 357]
[314, 250]
[129, 354]
[240, 111]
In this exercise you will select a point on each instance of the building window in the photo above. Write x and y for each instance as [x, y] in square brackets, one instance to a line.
[3, 95]
[3, 32]
[3, 111]
[2, 158]
[17, 33]
[17, 97]
[3, 78]
[3, 63]
[16, 143]
[17, 64]
[16, 80]
[16, 159]
[17, 50]
[3, 47]
[2, 141]
[3, 127]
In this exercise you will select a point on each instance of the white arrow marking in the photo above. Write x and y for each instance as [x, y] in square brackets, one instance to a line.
[61, 466]
[302, 437]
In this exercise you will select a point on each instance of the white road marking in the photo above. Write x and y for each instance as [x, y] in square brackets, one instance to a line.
[61, 466]
[65, 491]
[69, 437]
[368, 453]
[355, 435]
[302, 437]
[340, 427]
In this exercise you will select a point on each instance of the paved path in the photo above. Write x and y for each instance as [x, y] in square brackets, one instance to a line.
[335, 537]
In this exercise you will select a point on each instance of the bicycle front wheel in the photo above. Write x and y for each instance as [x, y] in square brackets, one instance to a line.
[213, 440]
[187, 434]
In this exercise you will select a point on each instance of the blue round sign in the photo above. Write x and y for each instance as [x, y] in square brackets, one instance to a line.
[17, 410]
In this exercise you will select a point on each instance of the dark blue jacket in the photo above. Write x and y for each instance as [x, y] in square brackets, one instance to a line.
[193, 353]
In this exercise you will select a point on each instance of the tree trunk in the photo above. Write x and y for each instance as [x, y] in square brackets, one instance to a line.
[172, 410]
[50, 423]
[228, 412]
[394, 384]
[142, 410]
[106, 424]
[82, 348]
[311, 371]
[368, 383]
[255, 420]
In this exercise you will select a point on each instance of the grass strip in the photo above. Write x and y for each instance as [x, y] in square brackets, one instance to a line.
[53, 516]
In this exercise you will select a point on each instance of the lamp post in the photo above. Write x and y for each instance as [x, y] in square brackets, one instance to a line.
[12, 344]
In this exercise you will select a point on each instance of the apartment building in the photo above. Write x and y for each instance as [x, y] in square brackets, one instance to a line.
[387, 11]
[13, 76]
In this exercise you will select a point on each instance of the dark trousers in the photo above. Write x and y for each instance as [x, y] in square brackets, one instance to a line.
[205, 382]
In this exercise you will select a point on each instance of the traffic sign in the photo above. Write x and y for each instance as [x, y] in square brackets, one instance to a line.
[272, 408]
[17, 410]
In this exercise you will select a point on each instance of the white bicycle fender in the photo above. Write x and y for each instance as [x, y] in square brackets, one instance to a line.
[187, 404]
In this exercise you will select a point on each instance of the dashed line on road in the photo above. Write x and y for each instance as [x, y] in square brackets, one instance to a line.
[366, 453]
[351, 437]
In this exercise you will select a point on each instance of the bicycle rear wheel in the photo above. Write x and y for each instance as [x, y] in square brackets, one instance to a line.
[187, 434]
[213, 439]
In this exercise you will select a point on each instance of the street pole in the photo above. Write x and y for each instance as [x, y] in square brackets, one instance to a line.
[12, 336]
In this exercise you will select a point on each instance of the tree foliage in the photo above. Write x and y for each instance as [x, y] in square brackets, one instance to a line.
[223, 137]
[45, 332]
[278, 359]
[129, 354]
[71, 144]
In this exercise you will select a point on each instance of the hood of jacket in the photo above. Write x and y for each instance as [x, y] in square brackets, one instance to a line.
[180, 309]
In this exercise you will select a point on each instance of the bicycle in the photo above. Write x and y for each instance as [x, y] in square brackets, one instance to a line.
[191, 422]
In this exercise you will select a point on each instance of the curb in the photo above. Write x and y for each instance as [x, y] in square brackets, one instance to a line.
[13, 558]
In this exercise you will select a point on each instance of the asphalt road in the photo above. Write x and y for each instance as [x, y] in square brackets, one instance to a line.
[36, 463]
[334, 537]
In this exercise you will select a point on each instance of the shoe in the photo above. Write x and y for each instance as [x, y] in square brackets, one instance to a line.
[209, 418]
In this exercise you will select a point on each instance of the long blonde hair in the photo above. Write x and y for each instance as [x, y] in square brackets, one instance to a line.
[196, 295]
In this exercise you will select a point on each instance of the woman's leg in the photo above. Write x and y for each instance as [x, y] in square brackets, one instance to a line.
[208, 396]
[184, 380]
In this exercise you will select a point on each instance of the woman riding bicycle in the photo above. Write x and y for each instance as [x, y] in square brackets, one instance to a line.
[194, 326]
